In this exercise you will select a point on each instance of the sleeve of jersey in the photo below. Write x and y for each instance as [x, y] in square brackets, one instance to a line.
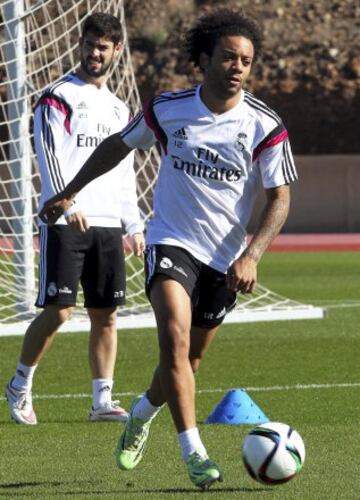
[52, 118]
[275, 158]
[137, 134]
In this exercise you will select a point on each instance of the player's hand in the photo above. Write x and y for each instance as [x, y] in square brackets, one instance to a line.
[54, 208]
[138, 244]
[78, 221]
[242, 275]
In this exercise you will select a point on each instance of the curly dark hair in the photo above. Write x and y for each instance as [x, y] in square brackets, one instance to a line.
[103, 25]
[207, 30]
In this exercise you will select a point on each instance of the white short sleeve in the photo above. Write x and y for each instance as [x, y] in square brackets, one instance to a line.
[137, 134]
[277, 165]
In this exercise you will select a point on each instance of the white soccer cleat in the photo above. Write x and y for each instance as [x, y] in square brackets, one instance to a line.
[20, 404]
[109, 412]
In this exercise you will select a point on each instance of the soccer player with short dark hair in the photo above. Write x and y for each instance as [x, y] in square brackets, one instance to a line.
[71, 118]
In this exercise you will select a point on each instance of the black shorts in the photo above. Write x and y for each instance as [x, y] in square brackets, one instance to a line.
[210, 298]
[94, 258]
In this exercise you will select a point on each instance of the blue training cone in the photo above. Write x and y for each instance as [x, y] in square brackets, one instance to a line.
[237, 407]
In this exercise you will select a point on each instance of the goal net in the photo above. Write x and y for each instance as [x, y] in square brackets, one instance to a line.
[38, 43]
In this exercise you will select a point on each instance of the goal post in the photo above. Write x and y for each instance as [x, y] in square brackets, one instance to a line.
[19, 159]
[38, 43]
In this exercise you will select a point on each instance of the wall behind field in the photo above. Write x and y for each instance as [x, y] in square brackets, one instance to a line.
[326, 197]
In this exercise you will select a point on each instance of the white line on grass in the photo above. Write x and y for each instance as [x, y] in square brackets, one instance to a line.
[296, 387]
[334, 304]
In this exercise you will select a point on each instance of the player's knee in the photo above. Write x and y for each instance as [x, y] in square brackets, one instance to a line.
[59, 315]
[103, 318]
[174, 343]
[64, 315]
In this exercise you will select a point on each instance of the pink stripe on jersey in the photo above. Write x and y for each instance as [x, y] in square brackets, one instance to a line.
[52, 101]
[271, 142]
[152, 123]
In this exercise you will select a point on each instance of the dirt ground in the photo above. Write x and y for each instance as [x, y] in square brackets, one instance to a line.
[309, 71]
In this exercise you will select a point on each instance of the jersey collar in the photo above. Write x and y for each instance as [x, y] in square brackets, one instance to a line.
[218, 117]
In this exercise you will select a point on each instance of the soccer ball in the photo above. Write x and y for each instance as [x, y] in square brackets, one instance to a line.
[273, 453]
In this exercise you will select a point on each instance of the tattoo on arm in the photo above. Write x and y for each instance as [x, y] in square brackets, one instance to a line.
[272, 220]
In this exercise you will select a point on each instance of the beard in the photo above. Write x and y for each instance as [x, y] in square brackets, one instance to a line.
[94, 72]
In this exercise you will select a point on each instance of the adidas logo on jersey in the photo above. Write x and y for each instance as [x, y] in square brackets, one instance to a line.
[82, 105]
[180, 134]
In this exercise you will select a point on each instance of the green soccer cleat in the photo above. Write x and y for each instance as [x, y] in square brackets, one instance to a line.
[202, 471]
[131, 446]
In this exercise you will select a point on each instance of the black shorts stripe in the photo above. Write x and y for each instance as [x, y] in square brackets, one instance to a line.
[150, 262]
[42, 265]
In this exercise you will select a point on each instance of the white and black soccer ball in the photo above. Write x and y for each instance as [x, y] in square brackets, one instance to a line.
[273, 453]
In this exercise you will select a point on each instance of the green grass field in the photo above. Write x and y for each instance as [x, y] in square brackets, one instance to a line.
[305, 373]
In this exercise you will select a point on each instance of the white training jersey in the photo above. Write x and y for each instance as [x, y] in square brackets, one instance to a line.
[212, 167]
[71, 118]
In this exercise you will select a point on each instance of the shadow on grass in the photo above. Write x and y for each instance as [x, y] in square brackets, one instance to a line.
[5, 489]
[214, 491]
[28, 484]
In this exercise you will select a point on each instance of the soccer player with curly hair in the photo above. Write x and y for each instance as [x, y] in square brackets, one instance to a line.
[219, 146]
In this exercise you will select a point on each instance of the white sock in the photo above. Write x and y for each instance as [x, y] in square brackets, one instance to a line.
[145, 410]
[23, 377]
[102, 388]
[190, 441]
